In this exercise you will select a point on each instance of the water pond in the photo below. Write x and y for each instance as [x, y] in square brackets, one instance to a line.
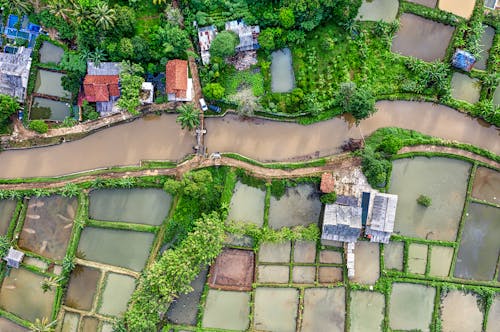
[487, 185]
[393, 255]
[247, 205]
[141, 206]
[461, 8]
[50, 53]
[479, 248]
[460, 312]
[22, 295]
[367, 311]
[299, 206]
[378, 10]
[441, 258]
[444, 181]
[82, 287]
[485, 44]
[227, 310]
[282, 77]
[48, 224]
[366, 262]
[427, 3]
[465, 88]
[418, 297]
[324, 310]
[127, 249]
[116, 294]
[276, 309]
[7, 208]
[422, 38]
[47, 109]
[49, 83]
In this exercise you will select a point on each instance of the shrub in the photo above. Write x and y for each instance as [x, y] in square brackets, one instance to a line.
[329, 198]
[390, 145]
[223, 44]
[39, 126]
[214, 91]
[424, 200]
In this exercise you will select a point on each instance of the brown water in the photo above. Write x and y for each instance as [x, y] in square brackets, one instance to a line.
[366, 262]
[422, 38]
[7, 325]
[7, 208]
[89, 324]
[428, 3]
[486, 42]
[393, 255]
[487, 185]
[461, 8]
[465, 88]
[263, 140]
[460, 312]
[82, 287]
[48, 224]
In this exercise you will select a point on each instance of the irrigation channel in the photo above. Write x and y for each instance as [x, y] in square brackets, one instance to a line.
[160, 138]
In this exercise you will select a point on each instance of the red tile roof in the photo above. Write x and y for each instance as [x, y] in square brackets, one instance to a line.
[177, 78]
[99, 88]
[327, 183]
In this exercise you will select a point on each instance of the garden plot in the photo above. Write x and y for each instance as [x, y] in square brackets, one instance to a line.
[50, 53]
[478, 250]
[460, 312]
[441, 258]
[233, 270]
[378, 10]
[393, 255]
[417, 258]
[141, 206]
[7, 325]
[461, 8]
[444, 181]
[465, 88]
[485, 44]
[366, 262]
[275, 252]
[427, 3]
[422, 38]
[487, 185]
[184, 309]
[419, 298]
[7, 208]
[304, 252]
[49, 83]
[22, 295]
[282, 78]
[273, 274]
[324, 310]
[226, 310]
[247, 205]
[47, 226]
[493, 316]
[127, 249]
[367, 311]
[299, 206]
[82, 287]
[117, 291]
[275, 309]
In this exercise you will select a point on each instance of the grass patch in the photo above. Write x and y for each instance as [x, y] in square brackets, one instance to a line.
[233, 80]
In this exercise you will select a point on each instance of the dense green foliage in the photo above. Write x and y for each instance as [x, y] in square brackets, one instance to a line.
[189, 116]
[8, 106]
[223, 44]
[329, 198]
[424, 200]
[39, 126]
[131, 81]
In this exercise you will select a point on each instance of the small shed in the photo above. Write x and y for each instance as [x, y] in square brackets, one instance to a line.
[327, 183]
[463, 60]
[14, 258]
[383, 217]
[341, 223]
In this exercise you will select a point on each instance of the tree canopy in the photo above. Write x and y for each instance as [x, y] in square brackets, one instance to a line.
[223, 44]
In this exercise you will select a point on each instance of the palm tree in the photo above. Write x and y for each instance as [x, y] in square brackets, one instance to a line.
[188, 117]
[159, 2]
[43, 325]
[49, 283]
[59, 8]
[97, 56]
[80, 13]
[104, 16]
[15, 6]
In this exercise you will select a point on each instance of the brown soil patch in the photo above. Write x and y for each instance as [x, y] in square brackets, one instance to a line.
[233, 270]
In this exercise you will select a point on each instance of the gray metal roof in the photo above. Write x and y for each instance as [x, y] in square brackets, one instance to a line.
[383, 217]
[341, 223]
[14, 257]
[248, 35]
[104, 68]
[14, 73]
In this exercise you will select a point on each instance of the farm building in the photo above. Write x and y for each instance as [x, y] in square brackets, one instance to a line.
[341, 223]
[14, 258]
[383, 215]
[14, 73]
[205, 37]
[101, 86]
[248, 35]
[179, 86]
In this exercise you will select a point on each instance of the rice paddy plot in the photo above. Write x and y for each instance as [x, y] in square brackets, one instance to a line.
[275, 252]
[444, 181]
[367, 311]
[7, 208]
[393, 255]
[422, 38]
[275, 309]
[378, 10]
[304, 252]
[82, 287]
[487, 185]
[419, 298]
[328, 275]
[479, 247]
[465, 88]
[70, 322]
[460, 312]
[441, 258]
[89, 324]
[226, 310]
[7, 325]
[303, 274]
[366, 262]
[461, 8]
[117, 291]
[493, 316]
[324, 310]
[330, 257]
[417, 258]
[273, 274]
[247, 205]
[485, 44]
[299, 206]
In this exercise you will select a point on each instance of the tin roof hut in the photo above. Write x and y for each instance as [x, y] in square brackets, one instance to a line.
[341, 223]
[463, 60]
[14, 73]
[248, 35]
[205, 37]
[14, 258]
[383, 216]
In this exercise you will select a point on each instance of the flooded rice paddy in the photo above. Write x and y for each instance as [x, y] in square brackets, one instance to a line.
[465, 88]
[282, 77]
[422, 38]
[89, 324]
[366, 262]
[418, 297]
[22, 294]
[324, 310]
[367, 311]
[127, 249]
[393, 255]
[227, 310]
[444, 181]
[47, 226]
[50, 53]
[276, 309]
[485, 44]
[460, 312]
[247, 205]
[479, 248]
[116, 294]
[427, 3]
[441, 258]
[7, 208]
[70, 322]
[8, 326]
[417, 258]
[275, 252]
[49, 83]
[141, 206]
[304, 252]
[299, 206]
[486, 185]
[461, 8]
[493, 316]
[48, 109]
[496, 96]
[82, 287]
[378, 10]
[273, 274]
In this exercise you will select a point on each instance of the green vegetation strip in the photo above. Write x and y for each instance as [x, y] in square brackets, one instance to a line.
[313, 163]
[122, 225]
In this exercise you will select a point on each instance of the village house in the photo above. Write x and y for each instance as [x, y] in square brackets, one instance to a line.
[14, 258]
[248, 35]
[383, 215]
[14, 73]
[101, 85]
[205, 37]
[179, 86]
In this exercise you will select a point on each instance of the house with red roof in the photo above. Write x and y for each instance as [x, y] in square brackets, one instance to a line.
[179, 86]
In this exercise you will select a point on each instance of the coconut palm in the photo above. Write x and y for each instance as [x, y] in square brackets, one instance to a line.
[43, 325]
[16, 6]
[59, 8]
[97, 56]
[188, 117]
[104, 16]
[49, 283]
[80, 13]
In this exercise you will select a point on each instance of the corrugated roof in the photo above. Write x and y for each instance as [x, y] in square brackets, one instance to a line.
[341, 223]
[104, 68]
[383, 217]
[177, 78]
[99, 88]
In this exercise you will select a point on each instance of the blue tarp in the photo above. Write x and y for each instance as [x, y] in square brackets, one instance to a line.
[30, 33]
[463, 60]
[12, 20]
